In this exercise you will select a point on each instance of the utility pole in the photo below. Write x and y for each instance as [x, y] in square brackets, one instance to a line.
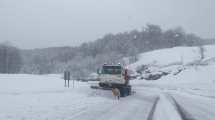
[66, 77]
[5, 60]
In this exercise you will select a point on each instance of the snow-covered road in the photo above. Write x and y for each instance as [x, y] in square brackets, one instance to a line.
[182, 102]
[31, 97]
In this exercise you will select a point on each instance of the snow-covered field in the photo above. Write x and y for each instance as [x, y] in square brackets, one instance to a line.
[189, 95]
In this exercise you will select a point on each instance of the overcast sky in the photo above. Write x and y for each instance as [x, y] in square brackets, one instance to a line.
[44, 23]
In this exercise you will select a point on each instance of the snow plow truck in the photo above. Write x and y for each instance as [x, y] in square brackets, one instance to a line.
[114, 76]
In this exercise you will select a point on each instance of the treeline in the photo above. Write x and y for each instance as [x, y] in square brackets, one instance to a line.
[10, 59]
[111, 48]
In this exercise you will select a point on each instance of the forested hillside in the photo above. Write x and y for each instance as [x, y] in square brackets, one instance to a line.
[111, 48]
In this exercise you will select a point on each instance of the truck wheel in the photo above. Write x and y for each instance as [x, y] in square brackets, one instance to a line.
[125, 91]
[122, 91]
[129, 90]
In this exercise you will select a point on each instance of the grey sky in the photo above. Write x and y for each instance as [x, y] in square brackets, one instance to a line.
[45, 23]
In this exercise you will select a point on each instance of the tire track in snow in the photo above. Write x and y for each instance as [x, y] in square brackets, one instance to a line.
[152, 111]
[181, 111]
[202, 108]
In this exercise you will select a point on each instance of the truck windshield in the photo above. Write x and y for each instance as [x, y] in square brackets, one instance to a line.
[111, 69]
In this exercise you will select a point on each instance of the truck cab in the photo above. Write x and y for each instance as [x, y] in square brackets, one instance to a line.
[112, 75]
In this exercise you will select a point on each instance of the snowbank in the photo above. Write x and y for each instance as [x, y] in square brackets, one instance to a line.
[173, 56]
[177, 63]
